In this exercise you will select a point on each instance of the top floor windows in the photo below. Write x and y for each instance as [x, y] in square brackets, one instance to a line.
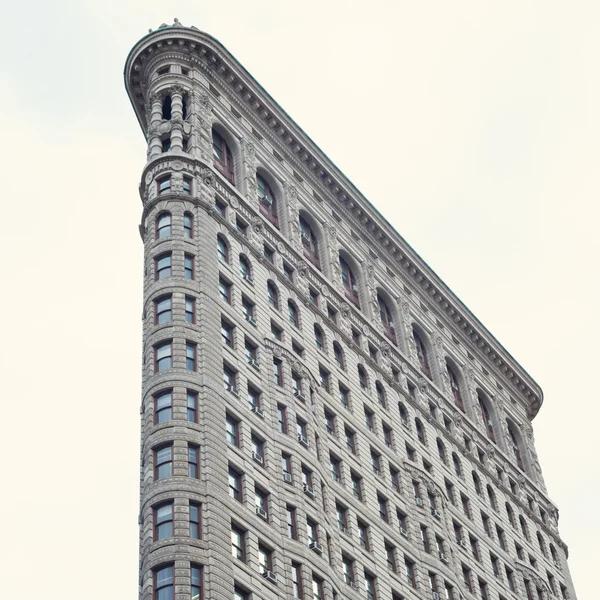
[164, 185]
[268, 202]
[421, 353]
[515, 446]
[349, 282]
[485, 415]
[454, 386]
[385, 314]
[222, 156]
[310, 243]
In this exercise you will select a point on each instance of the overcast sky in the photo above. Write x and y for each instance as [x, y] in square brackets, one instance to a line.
[473, 126]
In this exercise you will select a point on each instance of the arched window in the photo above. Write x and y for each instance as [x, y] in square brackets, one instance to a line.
[268, 202]
[273, 295]
[541, 544]
[385, 314]
[511, 515]
[554, 555]
[166, 108]
[188, 225]
[293, 314]
[442, 451]
[338, 354]
[163, 225]
[245, 270]
[403, 414]
[362, 378]
[421, 353]
[309, 242]
[477, 483]
[457, 465]
[455, 387]
[524, 528]
[222, 249]
[485, 415]
[380, 393]
[420, 431]
[222, 156]
[319, 338]
[491, 497]
[515, 445]
[349, 282]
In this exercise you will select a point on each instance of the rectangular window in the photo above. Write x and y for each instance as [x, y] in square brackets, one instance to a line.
[277, 372]
[253, 399]
[163, 356]
[163, 583]
[297, 580]
[162, 266]
[317, 588]
[187, 182]
[193, 461]
[235, 485]
[163, 521]
[370, 586]
[363, 535]
[162, 310]
[335, 468]
[188, 266]
[196, 589]
[192, 407]
[292, 527]
[163, 407]
[190, 356]
[226, 333]
[248, 310]
[231, 430]
[324, 376]
[425, 539]
[409, 571]
[190, 309]
[163, 185]
[344, 397]
[356, 486]
[163, 462]
[188, 226]
[261, 500]
[281, 418]
[225, 291]
[195, 532]
[276, 332]
[238, 543]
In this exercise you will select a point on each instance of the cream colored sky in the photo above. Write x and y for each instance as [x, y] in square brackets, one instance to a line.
[471, 125]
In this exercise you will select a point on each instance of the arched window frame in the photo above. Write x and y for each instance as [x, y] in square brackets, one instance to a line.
[380, 391]
[387, 320]
[310, 242]
[273, 295]
[222, 249]
[363, 378]
[293, 314]
[420, 429]
[524, 527]
[245, 268]
[163, 230]
[338, 354]
[486, 415]
[455, 385]
[422, 353]
[403, 414]
[349, 281]
[457, 465]
[320, 338]
[442, 451]
[267, 199]
[491, 497]
[222, 155]
[516, 444]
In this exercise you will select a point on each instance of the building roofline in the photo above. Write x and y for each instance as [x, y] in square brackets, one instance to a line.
[217, 61]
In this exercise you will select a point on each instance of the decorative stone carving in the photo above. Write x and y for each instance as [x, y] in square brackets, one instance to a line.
[177, 183]
[207, 176]
[491, 451]
[233, 201]
[422, 385]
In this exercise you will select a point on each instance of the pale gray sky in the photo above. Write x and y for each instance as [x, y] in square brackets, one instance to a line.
[473, 126]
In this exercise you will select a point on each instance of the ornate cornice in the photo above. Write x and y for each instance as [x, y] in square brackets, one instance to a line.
[213, 59]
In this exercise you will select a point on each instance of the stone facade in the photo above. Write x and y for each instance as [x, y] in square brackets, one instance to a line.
[377, 410]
